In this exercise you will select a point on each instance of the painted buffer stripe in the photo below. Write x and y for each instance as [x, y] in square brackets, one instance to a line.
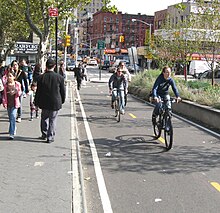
[215, 185]
[161, 140]
[133, 116]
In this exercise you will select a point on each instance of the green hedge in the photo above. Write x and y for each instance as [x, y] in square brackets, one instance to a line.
[201, 92]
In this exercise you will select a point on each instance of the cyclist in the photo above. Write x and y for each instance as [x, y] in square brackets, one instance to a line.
[125, 71]
[160, 91]
[118, 82]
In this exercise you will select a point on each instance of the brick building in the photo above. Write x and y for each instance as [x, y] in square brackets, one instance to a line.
[108, 26]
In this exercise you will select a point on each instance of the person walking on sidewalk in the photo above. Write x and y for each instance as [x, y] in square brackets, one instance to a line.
[21, 77]
[10, 100]
[50, 96]
[33, 107]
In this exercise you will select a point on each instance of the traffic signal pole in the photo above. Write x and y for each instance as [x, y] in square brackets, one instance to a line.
[65, 47]
[56, 31]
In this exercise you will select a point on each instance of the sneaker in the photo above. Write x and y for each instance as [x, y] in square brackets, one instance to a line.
[11, 137]
[19, 120]
[122, 112]
[50, 140]
[43, 137]
[31, 119]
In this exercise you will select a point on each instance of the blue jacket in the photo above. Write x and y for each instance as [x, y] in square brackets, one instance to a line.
[161, 87]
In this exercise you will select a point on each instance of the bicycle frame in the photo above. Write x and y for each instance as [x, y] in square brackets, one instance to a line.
[164, 123]
[117, 105]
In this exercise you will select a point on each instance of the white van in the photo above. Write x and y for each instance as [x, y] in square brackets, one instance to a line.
[197, 67]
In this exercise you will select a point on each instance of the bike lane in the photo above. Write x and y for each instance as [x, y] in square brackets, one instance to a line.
[140, 175]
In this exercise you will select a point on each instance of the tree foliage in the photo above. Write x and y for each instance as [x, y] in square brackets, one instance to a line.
[33, 15]
[198, 33]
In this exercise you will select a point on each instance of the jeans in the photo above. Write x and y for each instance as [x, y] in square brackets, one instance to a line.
[122, 97]
[12, 112]
[158, 105]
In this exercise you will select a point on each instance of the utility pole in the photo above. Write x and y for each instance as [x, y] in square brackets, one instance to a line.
[65, 48]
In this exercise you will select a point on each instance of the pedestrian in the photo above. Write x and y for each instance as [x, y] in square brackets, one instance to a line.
[61, 69]
[1, 90]
[50, 96]
[10, 100]
[78, 76]
[33, 107]
[37, 72]
[84, 72]
[21, 77]
[2, 70]
[26, 68]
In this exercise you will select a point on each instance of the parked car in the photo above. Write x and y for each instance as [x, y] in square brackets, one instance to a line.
[105, 64]
[92, 62]
[134, 67]
[196, 67]
[208, 74]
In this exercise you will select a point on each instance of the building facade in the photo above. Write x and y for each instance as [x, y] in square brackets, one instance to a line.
[109, 27]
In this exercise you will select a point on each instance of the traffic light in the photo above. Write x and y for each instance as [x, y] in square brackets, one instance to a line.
[67, 40]
[121, 39]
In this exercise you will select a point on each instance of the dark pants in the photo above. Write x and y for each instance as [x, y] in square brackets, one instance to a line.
[48, 123]
[79, 81]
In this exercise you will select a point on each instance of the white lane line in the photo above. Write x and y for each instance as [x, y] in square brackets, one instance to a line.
[76, 190]
[98, 171]
[78, 194]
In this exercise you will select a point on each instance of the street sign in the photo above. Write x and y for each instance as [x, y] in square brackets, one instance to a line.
[101, 44]
[53, 12]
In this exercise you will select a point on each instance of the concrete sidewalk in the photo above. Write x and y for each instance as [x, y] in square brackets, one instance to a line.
[36, 176]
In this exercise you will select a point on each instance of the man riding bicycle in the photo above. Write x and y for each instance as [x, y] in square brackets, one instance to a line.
[161, 91]
[118, 84]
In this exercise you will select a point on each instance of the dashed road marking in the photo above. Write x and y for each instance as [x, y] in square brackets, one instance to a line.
[161, 140]
[133, 116]
[215, 185]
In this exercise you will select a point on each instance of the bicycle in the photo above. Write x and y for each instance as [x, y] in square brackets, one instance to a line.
[117, 104]
[164, 122]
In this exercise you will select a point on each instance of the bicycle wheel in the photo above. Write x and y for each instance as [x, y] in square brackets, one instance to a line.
[168, 132]
[117, 110]
[119, 113]
[157, 126]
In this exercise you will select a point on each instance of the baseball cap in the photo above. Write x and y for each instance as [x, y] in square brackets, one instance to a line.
[50, 62]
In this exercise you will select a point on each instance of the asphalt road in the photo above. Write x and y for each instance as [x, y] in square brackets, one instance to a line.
[119, 166]
[126, 170]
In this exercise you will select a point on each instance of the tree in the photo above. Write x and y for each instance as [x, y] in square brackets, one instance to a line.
[11, 29]
[175, 43]
[207, 21]
[35, 13]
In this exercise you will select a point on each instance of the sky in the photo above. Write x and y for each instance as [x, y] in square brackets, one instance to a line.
[147, 7]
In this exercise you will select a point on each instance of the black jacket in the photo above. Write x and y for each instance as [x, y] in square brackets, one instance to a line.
[50, 92]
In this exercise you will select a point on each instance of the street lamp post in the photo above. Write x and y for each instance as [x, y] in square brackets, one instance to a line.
[150, 30]
[90, 45]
